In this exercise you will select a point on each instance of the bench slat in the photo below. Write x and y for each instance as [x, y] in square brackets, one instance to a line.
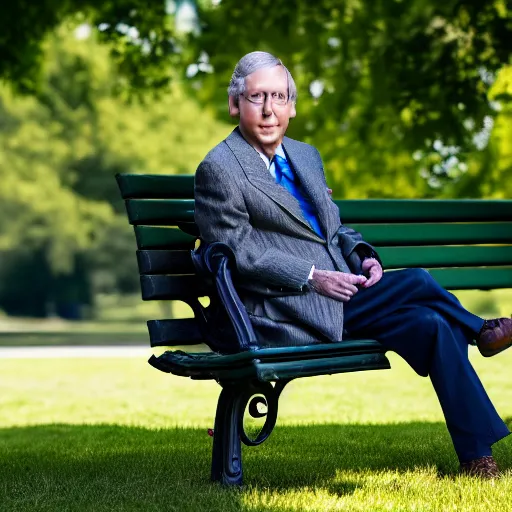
[160, 237]
[165, 262]
[164, 212]
[155, 186]
[157, 237]
[276, 363]
[473, 278]
[170, 211]
[210, 360]
[436, 234]
[162, 287]
[268, 372]
[439, 256]
[179, 331]
[352, 210]
[424, 210]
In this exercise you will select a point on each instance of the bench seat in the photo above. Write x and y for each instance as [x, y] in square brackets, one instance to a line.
[272, 364]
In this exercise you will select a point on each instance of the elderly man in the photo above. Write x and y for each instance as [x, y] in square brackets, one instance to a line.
[305, 278]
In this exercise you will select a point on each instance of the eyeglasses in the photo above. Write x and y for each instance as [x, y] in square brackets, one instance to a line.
[259, 98]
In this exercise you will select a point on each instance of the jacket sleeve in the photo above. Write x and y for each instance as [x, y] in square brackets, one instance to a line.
[354, 248]
[221, 216]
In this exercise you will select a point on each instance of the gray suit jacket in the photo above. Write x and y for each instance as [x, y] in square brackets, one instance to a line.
[238, 202]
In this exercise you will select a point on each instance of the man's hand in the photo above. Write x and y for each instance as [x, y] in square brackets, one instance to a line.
[338, 285]
[372, 269]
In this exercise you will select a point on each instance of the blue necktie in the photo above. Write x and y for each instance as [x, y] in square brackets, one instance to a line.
[287, 178]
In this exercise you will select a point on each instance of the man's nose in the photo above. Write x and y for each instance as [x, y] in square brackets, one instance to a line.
[267, 106]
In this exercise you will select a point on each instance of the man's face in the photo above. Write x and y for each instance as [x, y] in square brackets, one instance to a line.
[264, 125]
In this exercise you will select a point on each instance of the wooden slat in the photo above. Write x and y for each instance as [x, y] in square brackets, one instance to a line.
[436, 233]
[473, 278]
[161, 287]
[158, 237]
[180, 331]
[165, 262]
[171, 211]
[424, 210]
[165, 212]
[435, 256]
[156, 186]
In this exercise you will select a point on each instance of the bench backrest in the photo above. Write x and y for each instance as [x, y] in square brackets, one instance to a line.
[466, 244]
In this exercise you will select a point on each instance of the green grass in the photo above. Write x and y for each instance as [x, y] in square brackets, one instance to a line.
[115, 434]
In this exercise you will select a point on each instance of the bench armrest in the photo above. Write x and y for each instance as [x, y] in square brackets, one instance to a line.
[217, 259]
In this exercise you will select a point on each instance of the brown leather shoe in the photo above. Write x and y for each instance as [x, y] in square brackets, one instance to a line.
[484, 467]
[495, 336]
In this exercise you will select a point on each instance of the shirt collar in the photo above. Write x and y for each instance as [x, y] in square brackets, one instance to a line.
[279, 151]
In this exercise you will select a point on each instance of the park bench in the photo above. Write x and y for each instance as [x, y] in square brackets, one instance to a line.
[465, 244]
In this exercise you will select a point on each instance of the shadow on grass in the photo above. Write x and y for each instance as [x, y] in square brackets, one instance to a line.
[106, 467]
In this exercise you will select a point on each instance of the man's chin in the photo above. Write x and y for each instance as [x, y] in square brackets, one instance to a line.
[270, 139]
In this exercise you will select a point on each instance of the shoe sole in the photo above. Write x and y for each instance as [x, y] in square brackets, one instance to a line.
[492, 352]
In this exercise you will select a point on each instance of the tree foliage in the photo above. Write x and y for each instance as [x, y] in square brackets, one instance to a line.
[389, 73]
[60, 211]
[490, 171]
[403, 99]
[24, 25]
[378, 80]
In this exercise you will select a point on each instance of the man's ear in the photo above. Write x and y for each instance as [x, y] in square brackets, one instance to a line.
[293, 111]
[234, 110]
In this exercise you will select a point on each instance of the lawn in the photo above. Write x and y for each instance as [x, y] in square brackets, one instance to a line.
[116, 434]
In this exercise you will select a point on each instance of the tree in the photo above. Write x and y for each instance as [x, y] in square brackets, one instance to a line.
[490, 171]
[379, 81]
[394, 94]
[63, 228]
[411, 73]
[24, 26]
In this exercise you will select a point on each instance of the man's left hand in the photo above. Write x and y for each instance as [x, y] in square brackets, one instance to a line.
[372, 270]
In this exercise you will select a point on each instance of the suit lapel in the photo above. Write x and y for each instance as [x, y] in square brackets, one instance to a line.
[313, 185]
[259, 176]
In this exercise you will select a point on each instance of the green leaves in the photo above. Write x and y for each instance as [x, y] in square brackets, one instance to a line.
[60, 151]
[394, 77]
[419, 70]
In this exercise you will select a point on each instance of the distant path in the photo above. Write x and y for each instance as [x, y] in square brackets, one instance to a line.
[74, 351]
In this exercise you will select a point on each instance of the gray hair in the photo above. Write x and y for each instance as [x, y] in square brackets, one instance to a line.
[252, 62]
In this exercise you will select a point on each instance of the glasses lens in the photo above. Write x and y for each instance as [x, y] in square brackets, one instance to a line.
[259, 98]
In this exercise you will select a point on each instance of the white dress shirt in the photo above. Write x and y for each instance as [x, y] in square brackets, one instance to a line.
[270, 164]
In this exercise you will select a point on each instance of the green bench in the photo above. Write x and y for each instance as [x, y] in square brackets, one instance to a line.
[466, 244]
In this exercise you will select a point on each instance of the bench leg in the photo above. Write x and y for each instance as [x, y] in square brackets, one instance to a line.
[227, 446]
[229, 431]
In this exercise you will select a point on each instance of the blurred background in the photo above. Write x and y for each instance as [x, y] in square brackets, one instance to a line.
[402, 99]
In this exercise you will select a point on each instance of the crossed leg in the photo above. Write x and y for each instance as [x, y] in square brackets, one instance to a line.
[410, 314]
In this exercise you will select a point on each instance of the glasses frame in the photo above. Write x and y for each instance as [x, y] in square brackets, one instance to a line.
[266, 95]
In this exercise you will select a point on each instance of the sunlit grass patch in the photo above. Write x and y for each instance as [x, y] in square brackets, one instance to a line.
[116, 434]
[421, 489]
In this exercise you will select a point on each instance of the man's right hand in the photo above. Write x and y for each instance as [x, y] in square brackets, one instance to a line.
[338, 285]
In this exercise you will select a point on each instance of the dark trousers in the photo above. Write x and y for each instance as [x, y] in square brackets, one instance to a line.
[410, 314]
